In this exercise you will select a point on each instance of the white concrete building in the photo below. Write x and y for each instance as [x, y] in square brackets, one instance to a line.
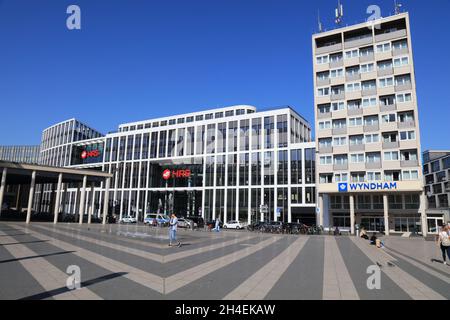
[367, 128]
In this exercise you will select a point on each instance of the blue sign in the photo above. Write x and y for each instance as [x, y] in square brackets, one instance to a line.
[344, 187]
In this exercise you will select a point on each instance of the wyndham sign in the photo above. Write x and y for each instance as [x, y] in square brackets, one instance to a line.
[346, 187]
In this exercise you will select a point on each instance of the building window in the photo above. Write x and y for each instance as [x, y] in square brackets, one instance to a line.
[268, 128]
[268, 168]
[256, 134]
[243, 169]
[282, 174]
[310, 165]
[296, 166]
[211, 138]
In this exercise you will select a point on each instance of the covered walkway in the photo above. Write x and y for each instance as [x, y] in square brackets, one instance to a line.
[20, 174]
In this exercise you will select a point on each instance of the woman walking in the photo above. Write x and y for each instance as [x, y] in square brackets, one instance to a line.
[444, 243]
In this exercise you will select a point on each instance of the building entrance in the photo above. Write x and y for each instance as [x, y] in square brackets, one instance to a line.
[183, 203]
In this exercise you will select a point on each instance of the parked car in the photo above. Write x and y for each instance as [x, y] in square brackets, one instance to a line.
[233, 224]
[128, 219]
[186, 223]
[198, 220]
[161, 219]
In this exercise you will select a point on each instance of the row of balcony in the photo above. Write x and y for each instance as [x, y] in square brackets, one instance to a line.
[369, 147]
[355, 95]
[363, 76]
[366, 41]
[369, 165]
[367, 111]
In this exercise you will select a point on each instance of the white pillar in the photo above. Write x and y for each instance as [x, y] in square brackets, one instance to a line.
[352, 214]
[82, 199]
[423, 214]
[106, 200]
[321, 211]
[91, 208]
[386, 214]
[58, 198]
[2, 188]
[30, 197]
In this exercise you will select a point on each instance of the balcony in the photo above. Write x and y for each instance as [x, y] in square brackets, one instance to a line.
[385, 72]
[367, 58]
[323, 82]
[391, 35]
[406, 124]
[336, 131]
[357, 147]
[370, 110]
[329, 49]
[388, 107]
[373, 165]
[340, 166]
[325, 115]
[403, 87]
[400, 52]
[371, 128]
[358, 42]
[391, 145]
[355, 112]
[336, 63]
[369, 92]
[327, 149]
[352, 77]
[388, 126]
[337, 96]
[409, 163]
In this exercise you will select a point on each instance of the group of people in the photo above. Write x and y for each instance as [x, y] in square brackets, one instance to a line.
[373, 238]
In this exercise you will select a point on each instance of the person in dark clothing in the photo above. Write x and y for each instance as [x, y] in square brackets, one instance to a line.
[373, 239]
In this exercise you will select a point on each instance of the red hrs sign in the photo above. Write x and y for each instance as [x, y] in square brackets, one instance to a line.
[90, 154]
[167, 174]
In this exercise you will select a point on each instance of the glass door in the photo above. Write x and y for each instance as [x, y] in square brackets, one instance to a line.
[434, 224]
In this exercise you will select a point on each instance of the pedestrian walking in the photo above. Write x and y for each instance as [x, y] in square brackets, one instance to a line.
[173, 223]
[444, 243]
[217, 227]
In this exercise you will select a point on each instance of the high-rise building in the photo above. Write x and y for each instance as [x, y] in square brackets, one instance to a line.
[367, 128]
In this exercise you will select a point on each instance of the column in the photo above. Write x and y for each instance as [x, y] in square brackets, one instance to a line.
[352, 214]
[386, 214]
[2, 188]
[30, 197]
[320, 206]
[82, 199]
[58, 198]
[423, 214]
[19, 189]
[106, 200]
[92, 206]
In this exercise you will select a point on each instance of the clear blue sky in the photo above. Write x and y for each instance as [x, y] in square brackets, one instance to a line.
[136, 59]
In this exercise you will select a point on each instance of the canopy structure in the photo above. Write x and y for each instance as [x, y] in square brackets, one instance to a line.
[13, 173]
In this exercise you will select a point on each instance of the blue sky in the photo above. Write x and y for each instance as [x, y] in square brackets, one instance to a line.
[136, 60]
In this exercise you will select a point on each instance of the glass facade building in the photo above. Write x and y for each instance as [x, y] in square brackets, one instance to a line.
[21, 154]
[235, 163]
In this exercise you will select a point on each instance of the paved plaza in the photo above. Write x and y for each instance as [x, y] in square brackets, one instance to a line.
[135, 262]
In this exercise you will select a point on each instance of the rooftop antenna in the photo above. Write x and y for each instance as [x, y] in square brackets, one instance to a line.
[339, 12]
[397, 7]
[319, 22]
